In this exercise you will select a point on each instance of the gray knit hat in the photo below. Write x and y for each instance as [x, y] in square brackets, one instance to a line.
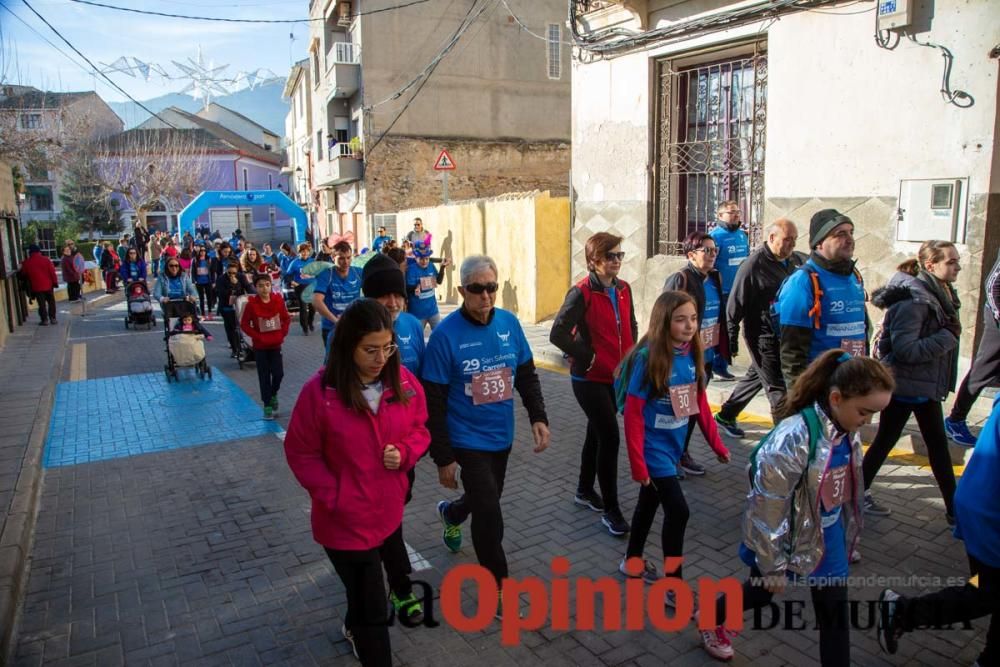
[823, 222]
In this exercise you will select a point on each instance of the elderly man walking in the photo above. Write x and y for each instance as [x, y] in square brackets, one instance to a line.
[40, 273]
[474, 360]
[754, 288]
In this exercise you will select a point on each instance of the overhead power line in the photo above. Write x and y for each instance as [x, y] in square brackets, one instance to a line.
[94, 67]
[232, 20]
[525, 28]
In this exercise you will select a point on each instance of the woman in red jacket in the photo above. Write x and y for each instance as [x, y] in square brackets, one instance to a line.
[357, 427]
[596, 328]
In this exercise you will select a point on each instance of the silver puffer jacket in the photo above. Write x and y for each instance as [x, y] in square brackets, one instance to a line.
[781, 524]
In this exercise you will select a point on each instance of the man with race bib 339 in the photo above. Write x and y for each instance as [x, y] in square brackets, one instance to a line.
[474, 360]
[822, 305]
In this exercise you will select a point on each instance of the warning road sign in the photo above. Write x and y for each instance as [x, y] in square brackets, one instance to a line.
[444, 162]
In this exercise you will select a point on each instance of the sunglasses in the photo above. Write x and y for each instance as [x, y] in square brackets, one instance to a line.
[173, 266]
[708, 251]
[614, 256]
[479, 288]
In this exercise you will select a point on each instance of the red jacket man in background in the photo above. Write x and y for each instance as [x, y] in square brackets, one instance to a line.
[40, 273]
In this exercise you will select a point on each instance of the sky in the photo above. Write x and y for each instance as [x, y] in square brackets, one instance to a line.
[104, 36]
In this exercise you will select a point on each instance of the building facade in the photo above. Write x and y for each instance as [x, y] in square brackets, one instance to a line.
[63, 118]
[788, 111]
[386, 99]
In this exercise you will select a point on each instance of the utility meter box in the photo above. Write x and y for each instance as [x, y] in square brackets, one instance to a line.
[894, 14]
[932, 208]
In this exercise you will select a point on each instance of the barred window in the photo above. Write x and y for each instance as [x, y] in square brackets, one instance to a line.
[554, 52]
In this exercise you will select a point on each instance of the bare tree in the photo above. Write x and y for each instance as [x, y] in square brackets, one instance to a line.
[152, 168]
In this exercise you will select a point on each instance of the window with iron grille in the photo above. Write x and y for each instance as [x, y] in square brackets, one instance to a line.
[710, 146]
[31, 121]
[554, 52]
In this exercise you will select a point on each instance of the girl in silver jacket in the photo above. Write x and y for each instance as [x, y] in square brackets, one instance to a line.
[804, 508]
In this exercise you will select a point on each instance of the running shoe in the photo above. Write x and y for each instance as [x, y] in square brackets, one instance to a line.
[729, 427]
[408, 608]
[274, 405]
[889, 628]
[350, 640]
[873, 508]
[590, 500]
[725, 376]
[717, 642]
[855, 557]
[648, 574]
[452, 535]
[691, 466]
[959, 433]
[615, 522]
[268, 413]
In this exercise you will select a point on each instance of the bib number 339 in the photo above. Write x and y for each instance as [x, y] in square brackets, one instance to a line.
[492, 386]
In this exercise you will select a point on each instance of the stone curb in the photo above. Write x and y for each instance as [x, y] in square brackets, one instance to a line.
[17, 533]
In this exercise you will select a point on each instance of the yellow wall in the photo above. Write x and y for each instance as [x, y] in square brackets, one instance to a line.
[526, 235]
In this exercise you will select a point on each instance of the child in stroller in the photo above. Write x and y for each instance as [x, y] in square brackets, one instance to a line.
[138, 305]
[185, 342]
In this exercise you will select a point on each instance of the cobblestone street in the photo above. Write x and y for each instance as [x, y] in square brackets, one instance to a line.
[170, 531]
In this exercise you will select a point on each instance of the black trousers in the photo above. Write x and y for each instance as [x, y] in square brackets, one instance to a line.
[958, 604]
[832, 616]
[930, 419]
[367, 617]
[306, 311]
[660, 492]
[397, 564]
[232, 328]
[206, 296]
[764, 373]
[599, 457]
[46, 305]
[324, 334]
[985, 369]
[73, 291]
[270, 371]
[483, 475]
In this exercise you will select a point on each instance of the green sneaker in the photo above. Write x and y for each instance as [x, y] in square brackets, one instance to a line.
[274, 405]
[408, 608]
[268, 413]
[452, 535]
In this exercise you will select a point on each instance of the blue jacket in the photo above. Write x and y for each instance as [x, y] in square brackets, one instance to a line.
[140, 270]
[977, 504]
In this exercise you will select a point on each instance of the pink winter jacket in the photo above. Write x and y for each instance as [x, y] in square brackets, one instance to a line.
[336, 454]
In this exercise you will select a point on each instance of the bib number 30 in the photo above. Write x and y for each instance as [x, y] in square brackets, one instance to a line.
[684, 400]
[492, 386]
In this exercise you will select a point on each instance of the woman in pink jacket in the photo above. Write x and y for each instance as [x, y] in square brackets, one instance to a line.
[357, 427]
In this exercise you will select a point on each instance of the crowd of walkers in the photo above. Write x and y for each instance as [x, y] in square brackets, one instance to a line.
[384, 398]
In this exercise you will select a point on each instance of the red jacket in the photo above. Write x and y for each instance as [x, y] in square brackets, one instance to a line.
[587, 330]
[266, 323]
[336, 454]
[40, 272]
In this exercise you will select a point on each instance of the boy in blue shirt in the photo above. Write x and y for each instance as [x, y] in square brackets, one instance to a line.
[336, 288]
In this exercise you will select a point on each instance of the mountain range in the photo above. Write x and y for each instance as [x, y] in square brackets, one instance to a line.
[262, 104]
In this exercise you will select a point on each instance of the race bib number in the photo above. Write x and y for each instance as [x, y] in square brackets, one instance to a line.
[269, 324]
[835, 490]
[427, 283]
[684, 399]
[710, 336]
[736, 261]
[492, 386]
[202, 270]
[855, 348]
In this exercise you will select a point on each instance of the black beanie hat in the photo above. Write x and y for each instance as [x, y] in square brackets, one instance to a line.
[382, 276]
[823, 222]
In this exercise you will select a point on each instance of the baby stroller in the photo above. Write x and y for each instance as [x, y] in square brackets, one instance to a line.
[185, 349]
[138, 305]
[245, 353]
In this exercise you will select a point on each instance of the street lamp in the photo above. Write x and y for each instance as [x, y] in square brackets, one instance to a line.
[300, 191]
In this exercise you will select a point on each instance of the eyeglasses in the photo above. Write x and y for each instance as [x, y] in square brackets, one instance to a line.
[614, 256]
[387, 351]
[708, 251]
[479, 288]
[734, 211]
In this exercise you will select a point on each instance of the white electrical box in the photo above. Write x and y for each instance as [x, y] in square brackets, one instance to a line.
[894, 14]
[932, 209]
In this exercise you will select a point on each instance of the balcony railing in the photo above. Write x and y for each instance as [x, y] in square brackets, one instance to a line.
[344, 53]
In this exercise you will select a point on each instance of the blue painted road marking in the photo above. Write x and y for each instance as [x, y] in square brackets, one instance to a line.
[96, 420]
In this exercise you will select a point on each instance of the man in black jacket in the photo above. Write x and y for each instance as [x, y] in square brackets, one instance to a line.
[754, 288]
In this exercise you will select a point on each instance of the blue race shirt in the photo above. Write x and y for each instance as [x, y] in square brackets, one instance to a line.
[734, 248]
[842, 305]
[459, 349]
[175, 288]
[338, 293]
[977, 505]
[422, 305]
[132, 268]
[202, 270]
[664, 434]
[293, 270]
[713, 304]
[379, 242]
[410, 338]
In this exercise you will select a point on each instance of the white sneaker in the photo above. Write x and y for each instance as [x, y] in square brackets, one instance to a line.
[350, 640]
[716, 642]
[648, 574]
